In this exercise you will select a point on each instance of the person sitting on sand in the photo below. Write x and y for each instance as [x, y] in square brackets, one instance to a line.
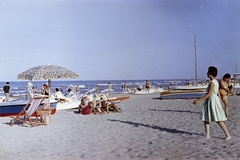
[223, 90]
[87, 110]
[103, 105]
[106, 106]
[113, 107]
[83, 103]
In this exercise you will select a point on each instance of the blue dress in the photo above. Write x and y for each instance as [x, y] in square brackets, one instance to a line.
[212, 109]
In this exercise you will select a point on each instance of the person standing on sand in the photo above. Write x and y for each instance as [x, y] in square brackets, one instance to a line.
[109, 88]
[147, 85]
[223, 90]
[6, 90]
[97, 89]
[212, 108]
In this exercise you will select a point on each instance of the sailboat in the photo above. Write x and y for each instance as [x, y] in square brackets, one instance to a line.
[187, 91]
[196, 86]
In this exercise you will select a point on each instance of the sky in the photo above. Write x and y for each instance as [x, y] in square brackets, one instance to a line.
[120, 39]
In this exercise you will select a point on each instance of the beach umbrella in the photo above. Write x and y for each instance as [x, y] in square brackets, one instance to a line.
[47, 72]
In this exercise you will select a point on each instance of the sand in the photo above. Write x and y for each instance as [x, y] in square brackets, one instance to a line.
[148, 128]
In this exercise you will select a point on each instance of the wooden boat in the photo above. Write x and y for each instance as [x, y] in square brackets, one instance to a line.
[15, 107]
[182, 94]
[118, 99]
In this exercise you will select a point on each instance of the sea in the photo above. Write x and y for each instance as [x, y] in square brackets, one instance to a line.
[19, 87]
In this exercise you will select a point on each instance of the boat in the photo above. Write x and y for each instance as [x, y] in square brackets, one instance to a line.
[15, 107]
[68, 103]
[182, 94]
[2, 99]
[191, 87]
[74, 101]
[118, 99]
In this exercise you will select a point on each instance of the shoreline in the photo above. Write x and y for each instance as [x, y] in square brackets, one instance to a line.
[148, 128]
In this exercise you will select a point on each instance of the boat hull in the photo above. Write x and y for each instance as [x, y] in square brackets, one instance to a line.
[116, 99]
[189, 94]
[198, 87]
[67, 105]
[14, 108]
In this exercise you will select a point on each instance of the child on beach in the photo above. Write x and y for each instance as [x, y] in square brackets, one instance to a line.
[212, 109]
[223, 90]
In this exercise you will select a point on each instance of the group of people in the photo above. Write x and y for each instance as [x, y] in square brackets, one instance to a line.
[212, 110]
[31, 91]
[96, 107]
[139, 87]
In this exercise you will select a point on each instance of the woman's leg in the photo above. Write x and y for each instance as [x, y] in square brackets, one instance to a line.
[207, 129]
[224, 128]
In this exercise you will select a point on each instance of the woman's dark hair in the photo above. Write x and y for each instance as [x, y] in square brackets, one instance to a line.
[56, 89]
[213, 71]
[227, 75]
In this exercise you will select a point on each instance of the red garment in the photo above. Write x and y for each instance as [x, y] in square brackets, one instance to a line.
[86, 110]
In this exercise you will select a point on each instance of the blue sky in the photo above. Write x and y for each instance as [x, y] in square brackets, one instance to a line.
[120, 39]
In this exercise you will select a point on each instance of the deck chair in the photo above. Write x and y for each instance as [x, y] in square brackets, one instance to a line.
[25, 115]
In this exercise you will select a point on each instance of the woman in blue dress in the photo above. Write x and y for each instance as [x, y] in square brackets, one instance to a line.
[212, 109]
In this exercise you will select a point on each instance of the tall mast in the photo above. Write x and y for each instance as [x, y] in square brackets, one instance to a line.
[236, 68]
[195, 51]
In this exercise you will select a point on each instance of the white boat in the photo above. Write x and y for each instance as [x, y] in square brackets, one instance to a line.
[67, 105]
[68, 102]
[191, 87]
[2, 99]
[74, 101]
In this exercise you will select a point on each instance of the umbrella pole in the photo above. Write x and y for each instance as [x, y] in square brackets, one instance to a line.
[49, 92]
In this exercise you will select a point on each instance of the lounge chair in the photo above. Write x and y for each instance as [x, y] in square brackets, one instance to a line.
[30, 108]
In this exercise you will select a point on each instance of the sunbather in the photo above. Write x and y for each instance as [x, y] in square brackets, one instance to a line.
[106, 105]
[83, 104]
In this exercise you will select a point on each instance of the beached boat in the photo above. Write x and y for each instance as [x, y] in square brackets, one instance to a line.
[15, 107]
[182, 94]
[68, 103]
[191, 87]
[118, 99]
[73, 103]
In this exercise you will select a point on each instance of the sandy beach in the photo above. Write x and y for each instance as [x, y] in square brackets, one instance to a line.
[148, 128]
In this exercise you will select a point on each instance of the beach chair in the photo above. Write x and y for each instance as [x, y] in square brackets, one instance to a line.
[28, 110]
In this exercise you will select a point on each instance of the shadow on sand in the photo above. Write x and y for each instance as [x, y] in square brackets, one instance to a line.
[154, 127]
[168, 110]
